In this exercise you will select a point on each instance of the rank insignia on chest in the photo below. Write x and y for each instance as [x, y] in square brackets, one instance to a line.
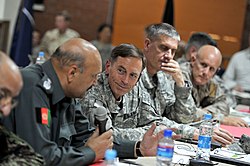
[43, 116]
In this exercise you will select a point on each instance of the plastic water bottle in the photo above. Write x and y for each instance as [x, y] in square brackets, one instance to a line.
[205, 138]
[165, 149]
[41, 58]
[110, 157]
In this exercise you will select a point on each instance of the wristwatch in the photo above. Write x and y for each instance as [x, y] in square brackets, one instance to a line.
[137, 150]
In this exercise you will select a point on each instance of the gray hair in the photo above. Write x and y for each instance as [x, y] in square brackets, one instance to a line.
[67, 58]
[153, 31]
[198, 40]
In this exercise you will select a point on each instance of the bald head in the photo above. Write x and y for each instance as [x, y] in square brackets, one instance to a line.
[77, 63]
[210, 52]
[10, 75]
[205, 64]
[77, 51]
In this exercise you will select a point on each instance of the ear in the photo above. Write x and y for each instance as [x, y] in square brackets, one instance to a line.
[192, 52]
[193, 59]
[193, 56]
[146, 43]
[72, 73]
[107, 66]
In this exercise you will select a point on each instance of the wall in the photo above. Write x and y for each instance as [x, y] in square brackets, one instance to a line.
[8, 11]
[223, 19]
[86, 15]
[131, 17]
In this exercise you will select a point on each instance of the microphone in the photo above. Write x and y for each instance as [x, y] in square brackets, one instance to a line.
[102, 119]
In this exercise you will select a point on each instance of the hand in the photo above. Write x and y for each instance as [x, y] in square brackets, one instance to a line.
[234, 121]
[99, 144]
[150, 141]
[222, 136]
[173, 68]
[238, 88]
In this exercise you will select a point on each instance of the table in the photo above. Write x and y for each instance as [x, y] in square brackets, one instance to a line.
[151, 161]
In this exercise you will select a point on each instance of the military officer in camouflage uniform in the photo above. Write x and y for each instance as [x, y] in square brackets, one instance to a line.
[130, 109]
[208, 92]
[13, 150]
[162, 80]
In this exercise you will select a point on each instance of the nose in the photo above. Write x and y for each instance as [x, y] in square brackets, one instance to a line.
[168, 54]
[125, 79]
[205, 71]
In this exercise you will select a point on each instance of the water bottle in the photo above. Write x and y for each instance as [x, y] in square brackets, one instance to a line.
[165, 149]
[41, 58]
[205, 138]
[110, 157]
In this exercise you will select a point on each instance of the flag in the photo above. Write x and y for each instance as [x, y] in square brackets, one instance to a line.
[22, 39]
[168, 16]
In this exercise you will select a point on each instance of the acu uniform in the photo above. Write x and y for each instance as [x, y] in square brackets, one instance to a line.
[212, 97]
[162, 99]
[132, 115]
[14, 151]
[124, 114]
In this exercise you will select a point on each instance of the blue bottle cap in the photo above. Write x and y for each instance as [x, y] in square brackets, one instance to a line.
[207, 116]
[110, 154]
[41, 53]
[168, 133]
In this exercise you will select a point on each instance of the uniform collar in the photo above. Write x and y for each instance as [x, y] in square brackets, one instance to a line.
[58, 93]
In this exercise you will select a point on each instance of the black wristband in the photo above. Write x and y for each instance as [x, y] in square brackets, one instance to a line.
[137, 150]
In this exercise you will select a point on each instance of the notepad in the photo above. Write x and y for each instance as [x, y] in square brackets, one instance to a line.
[236, 131]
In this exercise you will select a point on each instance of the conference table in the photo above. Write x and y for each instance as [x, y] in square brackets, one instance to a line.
[151, 161]
[183, 152]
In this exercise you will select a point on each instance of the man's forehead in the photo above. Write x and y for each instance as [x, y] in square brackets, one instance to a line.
[166, 40]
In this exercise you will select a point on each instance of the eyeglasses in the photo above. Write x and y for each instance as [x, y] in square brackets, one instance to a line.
[6, 100]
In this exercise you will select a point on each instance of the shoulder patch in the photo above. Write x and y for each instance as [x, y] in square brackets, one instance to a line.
[43, 116]
[47, 84]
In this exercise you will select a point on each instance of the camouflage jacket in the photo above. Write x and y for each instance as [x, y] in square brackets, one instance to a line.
[163, 100]
[212, 97]
[132, 116]
[15, 152]
[170, 100]
[125, 115]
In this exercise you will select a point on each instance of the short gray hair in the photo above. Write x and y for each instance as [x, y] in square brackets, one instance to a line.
[153, 31]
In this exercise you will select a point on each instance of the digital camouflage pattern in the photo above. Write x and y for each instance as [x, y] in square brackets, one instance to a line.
[163, 99]
[132, 116]
[212, 97]
[16, 152]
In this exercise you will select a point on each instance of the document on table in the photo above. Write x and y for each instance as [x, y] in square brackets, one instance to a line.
[236, 157]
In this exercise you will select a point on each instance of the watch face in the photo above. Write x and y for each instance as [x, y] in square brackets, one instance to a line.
[186, 84]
